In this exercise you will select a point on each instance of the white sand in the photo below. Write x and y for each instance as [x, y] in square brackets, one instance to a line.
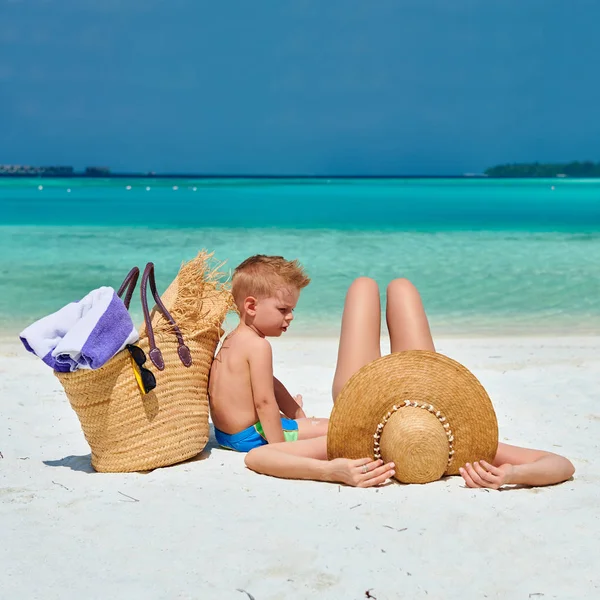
[210, 528]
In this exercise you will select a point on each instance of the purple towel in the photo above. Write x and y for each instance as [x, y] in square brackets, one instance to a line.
[84, 334]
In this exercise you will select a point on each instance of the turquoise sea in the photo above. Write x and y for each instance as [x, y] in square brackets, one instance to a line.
[490, 257]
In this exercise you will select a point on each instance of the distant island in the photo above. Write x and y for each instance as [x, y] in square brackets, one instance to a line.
[54, 171]
[68, 172]
[515, 170]
[572, 169]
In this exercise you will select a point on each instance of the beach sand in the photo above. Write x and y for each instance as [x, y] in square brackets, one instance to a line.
[210, 528]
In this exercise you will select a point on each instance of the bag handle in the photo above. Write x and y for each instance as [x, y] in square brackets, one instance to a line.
[129, 284]
[155, 354]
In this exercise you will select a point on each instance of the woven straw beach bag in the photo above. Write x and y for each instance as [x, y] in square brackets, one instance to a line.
[131, 431]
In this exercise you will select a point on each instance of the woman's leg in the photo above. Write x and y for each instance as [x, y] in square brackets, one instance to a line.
[406, 318]
[309, 428]
[361, 325]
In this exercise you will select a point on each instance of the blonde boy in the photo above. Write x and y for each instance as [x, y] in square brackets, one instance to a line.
[246, 401]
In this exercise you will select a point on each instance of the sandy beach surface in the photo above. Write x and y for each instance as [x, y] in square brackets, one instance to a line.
[209, 528]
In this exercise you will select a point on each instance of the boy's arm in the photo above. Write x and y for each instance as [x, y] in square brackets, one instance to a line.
[288, 406]
[263, 393]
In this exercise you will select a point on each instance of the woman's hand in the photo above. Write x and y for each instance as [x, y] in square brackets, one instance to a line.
[364, 472]
[481, 474]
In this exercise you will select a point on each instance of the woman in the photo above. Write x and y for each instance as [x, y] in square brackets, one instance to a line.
[359, 345]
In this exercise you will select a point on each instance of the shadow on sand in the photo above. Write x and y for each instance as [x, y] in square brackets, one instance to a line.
[75, 463]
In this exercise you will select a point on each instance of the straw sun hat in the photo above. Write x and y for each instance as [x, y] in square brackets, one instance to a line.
[422, 410]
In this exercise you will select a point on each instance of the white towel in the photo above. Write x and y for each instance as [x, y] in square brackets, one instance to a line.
[84, 334]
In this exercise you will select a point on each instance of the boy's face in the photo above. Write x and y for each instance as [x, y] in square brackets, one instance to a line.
[273, 315]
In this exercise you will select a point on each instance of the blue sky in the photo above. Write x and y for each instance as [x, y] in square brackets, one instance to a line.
[299, 87]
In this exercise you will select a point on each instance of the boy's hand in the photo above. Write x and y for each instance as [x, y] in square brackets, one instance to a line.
[481, 474]
[290, 406]
[299, 414]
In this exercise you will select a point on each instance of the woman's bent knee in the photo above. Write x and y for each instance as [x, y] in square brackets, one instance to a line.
[401, 286]
[364, 283]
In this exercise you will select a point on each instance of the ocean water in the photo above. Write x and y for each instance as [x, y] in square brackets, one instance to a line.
[490, 257]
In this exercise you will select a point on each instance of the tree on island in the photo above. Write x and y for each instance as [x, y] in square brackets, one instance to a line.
[572, 169]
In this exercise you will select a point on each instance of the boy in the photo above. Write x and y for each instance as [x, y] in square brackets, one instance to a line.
[245, 398]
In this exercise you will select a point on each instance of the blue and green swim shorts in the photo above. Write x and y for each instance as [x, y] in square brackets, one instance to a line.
[254, 436]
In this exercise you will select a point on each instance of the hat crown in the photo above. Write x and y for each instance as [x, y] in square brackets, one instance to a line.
[417, 443]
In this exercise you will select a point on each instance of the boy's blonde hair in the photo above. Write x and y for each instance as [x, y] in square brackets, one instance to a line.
[260, 276]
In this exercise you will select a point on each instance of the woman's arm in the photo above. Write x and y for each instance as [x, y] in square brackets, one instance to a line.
[307, 459]
[518, 466]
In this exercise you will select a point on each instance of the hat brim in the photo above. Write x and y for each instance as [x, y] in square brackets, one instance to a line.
[419, 376]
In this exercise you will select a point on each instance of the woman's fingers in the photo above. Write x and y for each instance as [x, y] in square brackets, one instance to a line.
[369, 472]
[366, 465]
[378, 471]
[377, 480]
[491, 468]
[360, 462]
[466, 476]
[485, 475]
[474, 477]
[378, 476]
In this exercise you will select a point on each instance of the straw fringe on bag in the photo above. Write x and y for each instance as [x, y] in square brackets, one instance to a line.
[422, 410]
[128, 431]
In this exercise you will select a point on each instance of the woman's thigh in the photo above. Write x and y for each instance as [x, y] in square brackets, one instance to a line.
[406, 318]
[312, 428]
[359, 337]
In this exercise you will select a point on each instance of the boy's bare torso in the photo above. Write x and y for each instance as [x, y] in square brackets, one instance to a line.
[230, 389]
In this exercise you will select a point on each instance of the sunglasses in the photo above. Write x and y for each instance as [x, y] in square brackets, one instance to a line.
[144, 377]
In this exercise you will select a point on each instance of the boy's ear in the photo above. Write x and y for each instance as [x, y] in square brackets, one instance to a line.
[250, 306]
